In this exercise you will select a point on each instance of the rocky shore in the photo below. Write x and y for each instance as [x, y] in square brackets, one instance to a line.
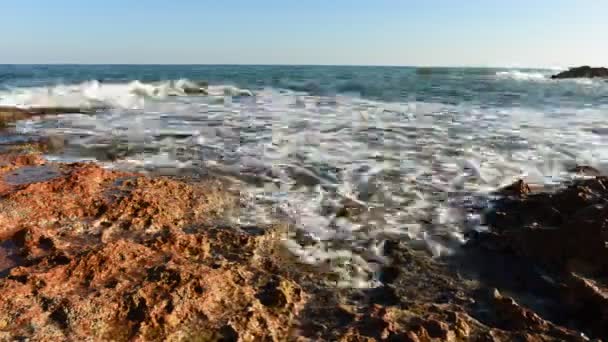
[89, 253]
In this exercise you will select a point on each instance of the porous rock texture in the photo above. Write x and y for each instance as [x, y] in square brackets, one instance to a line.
[89, 253]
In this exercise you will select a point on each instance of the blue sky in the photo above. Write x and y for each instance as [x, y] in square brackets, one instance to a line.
[368, 32]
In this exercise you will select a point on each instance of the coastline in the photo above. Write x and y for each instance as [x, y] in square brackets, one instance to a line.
[117, 255]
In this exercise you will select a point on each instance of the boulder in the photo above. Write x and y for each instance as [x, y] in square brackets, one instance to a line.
[582, 72]
[565, 233]
[192, 88]
[195, 91]
[559, 229]
[196, 88]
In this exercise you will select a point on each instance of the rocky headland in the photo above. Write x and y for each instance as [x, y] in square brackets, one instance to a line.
[582, 72]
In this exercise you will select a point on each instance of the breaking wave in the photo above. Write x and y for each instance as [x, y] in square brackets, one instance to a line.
[348, 172]
[95, 94]
[522, 75]
[544, 77]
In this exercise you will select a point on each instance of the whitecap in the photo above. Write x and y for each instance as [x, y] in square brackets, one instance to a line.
[522, 75]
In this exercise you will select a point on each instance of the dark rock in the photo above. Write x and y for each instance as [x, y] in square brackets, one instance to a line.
[195, 91]
[585, 170]
[519, 189]
[514, 316]
[438, 329]
[588, 299]
[12, 114]
[582, 72]
[143, 258]
[566, 233]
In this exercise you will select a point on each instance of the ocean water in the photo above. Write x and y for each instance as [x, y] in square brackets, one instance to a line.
[350, 157]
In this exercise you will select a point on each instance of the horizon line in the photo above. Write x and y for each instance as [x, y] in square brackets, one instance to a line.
[293, 65]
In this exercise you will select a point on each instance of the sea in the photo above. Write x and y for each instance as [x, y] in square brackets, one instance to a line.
[348, 157]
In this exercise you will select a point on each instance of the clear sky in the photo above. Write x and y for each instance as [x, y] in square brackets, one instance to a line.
[377, 32]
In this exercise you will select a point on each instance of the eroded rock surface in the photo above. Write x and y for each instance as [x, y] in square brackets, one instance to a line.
[562, 237]
[118, 256]
[93, 253]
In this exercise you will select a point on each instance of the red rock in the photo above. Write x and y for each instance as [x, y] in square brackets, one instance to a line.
[108, 255]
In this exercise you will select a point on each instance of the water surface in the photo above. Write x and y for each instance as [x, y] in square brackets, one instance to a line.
[350, 156]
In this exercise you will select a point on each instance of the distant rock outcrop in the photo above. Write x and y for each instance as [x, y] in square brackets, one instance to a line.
[582, 72]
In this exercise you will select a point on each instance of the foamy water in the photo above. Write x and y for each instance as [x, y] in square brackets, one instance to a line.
[418, 171]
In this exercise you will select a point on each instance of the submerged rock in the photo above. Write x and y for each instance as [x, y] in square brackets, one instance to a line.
[517, 189]
[582, 72]
[12, 114]
[585, 170]
[191, 87]
[195, 91]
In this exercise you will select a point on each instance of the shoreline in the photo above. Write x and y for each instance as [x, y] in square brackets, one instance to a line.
[109, 254]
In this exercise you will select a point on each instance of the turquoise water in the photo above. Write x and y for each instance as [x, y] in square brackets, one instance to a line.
[415, 152]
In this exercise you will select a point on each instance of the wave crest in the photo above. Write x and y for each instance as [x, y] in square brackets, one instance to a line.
[95, 94]
[522, 75]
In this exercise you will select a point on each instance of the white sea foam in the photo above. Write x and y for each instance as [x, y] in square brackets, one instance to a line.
[522, 75]
[414, 171]
[94, 94]
[545, 77]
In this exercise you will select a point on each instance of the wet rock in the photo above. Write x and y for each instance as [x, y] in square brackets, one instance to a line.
[515, 317]
[192, 88]
[32, 174]
[9, 256]
[195, 91]
[438, 329]
[559, 228]
[108, 255]
[588, 300]
[582, 72]
[585, 170]
[12, 114]
[519, 189]
[564, 232]
[237, 92]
